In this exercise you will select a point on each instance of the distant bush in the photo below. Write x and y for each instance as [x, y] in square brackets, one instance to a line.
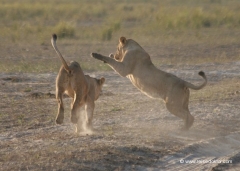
[64, 30]
[32, 20]
[107, 32]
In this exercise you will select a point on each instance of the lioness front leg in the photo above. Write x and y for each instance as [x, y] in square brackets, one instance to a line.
[100, 57]
[122, 68]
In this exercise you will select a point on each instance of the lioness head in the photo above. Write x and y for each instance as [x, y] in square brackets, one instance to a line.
[98, 87]
[120, 51]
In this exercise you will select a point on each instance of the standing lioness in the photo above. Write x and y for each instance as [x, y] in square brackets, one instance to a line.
[82, 88]
[133, 62]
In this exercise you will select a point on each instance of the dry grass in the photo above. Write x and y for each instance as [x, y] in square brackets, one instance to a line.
[179, 36]
[26, 30]
[35, 143]
[89, 20]
[224, 90]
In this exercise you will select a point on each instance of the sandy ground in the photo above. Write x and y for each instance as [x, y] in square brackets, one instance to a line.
[132, 131]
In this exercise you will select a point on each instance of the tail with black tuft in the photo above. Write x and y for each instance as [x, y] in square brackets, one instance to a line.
[194, 87]
[53, 41]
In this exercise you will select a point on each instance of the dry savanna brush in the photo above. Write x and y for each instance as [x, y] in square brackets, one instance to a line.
[130, 131]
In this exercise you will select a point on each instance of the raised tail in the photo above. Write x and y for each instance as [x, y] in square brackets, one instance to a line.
[53, 41]
[194, 87]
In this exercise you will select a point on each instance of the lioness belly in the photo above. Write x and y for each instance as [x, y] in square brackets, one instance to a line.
[70, 92]
[146, 88]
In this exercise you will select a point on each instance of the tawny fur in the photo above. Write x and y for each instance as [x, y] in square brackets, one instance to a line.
[133, 62]
[83, 89]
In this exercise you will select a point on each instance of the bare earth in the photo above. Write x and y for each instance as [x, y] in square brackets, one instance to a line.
[132, 131]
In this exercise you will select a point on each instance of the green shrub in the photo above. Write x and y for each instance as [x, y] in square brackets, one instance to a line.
[64, 30]
[107, 32]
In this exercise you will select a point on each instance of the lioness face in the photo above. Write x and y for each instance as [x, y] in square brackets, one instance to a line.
[98, 87]
[119, 54]
[120, 51]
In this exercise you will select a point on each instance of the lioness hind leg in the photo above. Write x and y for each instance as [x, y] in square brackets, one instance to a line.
[78, 102]
[81, 119]
[89, 113]
[188, 121]
[189, 118]
[60, 114]
[181, 113]
[177, 104]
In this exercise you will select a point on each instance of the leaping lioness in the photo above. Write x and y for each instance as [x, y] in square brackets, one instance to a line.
[133, 62]
[83, 89]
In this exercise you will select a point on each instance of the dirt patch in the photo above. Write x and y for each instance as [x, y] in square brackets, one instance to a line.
[132, 131]
[41, 95]
[14, 79]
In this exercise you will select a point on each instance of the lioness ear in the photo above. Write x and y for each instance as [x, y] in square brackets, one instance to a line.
[102, 80]
[123, 40]
[111, 55]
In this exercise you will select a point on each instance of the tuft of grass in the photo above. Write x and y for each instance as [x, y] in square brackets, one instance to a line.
[21, 119]
[107, 33]
[108, 130]
[28, 89]
[116, 109]
[64, 30]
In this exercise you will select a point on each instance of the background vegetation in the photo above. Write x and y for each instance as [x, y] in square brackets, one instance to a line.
[181, 36]
[28, 24]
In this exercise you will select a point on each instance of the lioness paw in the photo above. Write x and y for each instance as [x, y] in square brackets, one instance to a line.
[59, 121]
[96, 55]
[99, 57]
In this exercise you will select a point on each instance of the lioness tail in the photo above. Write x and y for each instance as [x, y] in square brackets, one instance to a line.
[53, 41]
[194, 87]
